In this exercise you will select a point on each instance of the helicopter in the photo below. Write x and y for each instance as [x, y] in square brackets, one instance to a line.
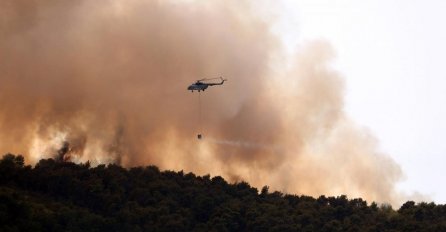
[199, 85]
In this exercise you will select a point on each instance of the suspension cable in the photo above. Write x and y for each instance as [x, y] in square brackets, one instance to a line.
[200, 126]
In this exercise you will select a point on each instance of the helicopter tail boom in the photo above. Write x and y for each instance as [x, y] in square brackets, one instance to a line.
[222, 81]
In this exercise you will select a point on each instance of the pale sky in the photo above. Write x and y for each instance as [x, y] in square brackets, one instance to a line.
[392, 55]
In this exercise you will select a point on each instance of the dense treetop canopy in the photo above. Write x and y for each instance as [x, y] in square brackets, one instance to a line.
[64, 196]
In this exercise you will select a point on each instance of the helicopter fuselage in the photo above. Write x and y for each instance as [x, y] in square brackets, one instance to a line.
[198, 86]
[201, 86]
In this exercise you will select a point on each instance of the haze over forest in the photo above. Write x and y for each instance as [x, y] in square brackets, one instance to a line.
[107, 80]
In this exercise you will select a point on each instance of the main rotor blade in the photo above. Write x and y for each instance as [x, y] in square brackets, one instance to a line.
[208, 79]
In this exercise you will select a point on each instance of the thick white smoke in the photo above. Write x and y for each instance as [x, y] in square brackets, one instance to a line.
[106, 81]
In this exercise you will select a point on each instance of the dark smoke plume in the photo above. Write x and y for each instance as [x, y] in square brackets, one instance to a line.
[108, 79]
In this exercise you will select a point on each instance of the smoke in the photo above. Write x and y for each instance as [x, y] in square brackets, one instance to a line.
[244, 144]
[106, 81]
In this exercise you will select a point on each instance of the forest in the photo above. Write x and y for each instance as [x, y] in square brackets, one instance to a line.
[55, 195]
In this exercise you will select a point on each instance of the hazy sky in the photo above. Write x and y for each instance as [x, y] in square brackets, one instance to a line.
[95, 65]
[391, 54]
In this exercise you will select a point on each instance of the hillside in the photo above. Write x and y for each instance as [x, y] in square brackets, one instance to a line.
[63, 196]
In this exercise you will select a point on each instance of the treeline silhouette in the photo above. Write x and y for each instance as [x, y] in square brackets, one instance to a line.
[64, 196]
